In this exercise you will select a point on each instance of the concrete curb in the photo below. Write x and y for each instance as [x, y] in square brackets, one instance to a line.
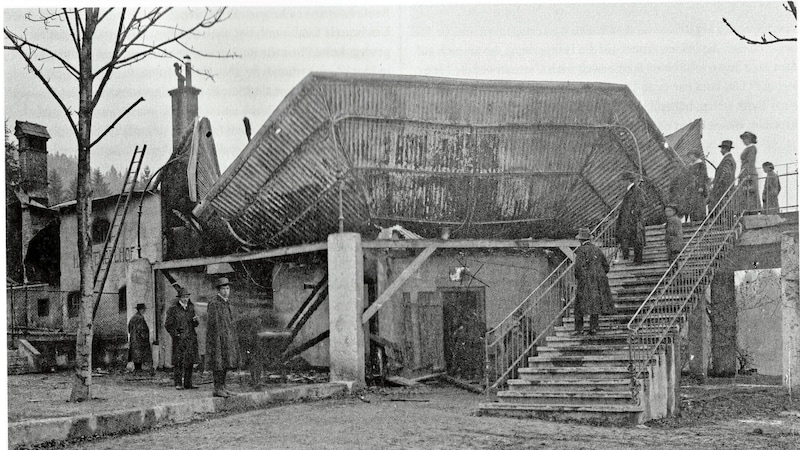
[35, 432]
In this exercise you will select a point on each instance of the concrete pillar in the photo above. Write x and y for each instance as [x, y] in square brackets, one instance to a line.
[699, 336]
[723, 324]
[790, 309]
[346, 297]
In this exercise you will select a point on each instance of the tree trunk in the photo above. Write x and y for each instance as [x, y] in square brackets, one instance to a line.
[81, 387]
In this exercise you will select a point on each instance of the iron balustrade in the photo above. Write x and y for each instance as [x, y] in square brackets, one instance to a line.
[665, 308]
[510, 342]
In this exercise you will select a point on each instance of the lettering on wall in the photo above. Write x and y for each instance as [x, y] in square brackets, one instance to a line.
[122, 255]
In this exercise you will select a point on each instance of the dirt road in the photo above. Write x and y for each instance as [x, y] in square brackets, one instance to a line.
[442, 418]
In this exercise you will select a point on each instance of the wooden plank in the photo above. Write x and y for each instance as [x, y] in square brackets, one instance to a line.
[249, 256]
[386, 295]
[402, 381]
[569, 252]
[471, 243]
[428, 377]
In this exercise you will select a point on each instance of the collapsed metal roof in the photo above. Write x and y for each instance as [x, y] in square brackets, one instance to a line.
[487, 158]
[687, 140]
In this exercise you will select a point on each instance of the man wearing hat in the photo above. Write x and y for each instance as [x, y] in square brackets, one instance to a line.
[748, 178]
[772, 187]
[630, 228]
[180, 324]
[673, 232]
[593, 295]
[139, 348]
[724, 175]
[222, 353]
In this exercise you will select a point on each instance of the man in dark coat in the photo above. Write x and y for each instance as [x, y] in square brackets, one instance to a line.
[139, 348]
[180, 324]
[593, 295]
[630, 228]
[689, 190]
[221, 349]
[724, 176]
[673, 233]
[772, 187]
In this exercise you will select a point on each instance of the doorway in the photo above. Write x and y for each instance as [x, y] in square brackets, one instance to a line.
[464, 327]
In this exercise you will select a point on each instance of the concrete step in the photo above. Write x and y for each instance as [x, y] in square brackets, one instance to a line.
[599, 349]
[594, 414]
[566, 398]
[617, 338]
[575, 373]
[548, 361]
[571, 385]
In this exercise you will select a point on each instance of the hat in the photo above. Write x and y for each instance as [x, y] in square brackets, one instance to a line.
[140, 306]
[221, 281]
[748, 134]
[183, 292]
[768, 164]
[583, 234]
[698, 152]
[673, 206]
[726, 143]
[628, 175]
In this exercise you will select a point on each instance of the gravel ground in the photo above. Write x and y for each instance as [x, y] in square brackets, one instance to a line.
[38, 396]
[442, 417]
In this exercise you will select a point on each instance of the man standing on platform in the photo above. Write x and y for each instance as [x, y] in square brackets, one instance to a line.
[593, 294]
[180, 323]
[221, 346]
[724, 176]
[630, 228]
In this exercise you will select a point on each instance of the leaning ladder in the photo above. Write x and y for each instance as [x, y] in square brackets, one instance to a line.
[120, 211]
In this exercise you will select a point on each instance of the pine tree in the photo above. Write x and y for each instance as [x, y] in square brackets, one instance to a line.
[55, 187]
[144, 178]
[99, 186]
[72, 191]
[12, 164]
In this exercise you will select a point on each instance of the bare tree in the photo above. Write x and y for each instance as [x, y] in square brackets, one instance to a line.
[138, 35]
[772, 39]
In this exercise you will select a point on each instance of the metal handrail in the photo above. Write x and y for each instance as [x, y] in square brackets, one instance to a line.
[511, 340]
[646, 332]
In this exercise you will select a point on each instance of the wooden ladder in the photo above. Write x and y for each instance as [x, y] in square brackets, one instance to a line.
[120, 211]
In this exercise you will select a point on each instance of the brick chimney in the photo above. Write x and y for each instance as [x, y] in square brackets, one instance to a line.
[184, 101]
[32, 140]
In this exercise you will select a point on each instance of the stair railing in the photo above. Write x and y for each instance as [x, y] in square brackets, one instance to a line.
[664, 308]
[509, 343]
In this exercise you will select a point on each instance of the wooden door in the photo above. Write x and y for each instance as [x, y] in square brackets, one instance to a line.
[422, 329]
[464, 327]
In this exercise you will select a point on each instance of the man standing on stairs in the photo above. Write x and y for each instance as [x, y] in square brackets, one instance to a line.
[593, 294]
[630, 228]
[689, 189]
[673, 232]
[724, 176]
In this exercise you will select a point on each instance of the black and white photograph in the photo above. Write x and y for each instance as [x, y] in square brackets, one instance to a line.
[402, 225]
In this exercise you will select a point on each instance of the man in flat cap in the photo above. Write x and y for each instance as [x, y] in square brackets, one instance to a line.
[139, 349]
[180, 323]
[630, 227]
[222, 351]
[592, 294]
[724, 176]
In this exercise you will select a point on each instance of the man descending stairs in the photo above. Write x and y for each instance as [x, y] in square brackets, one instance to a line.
[583, 377]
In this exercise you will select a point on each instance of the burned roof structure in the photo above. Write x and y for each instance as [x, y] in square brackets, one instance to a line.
[506, 159]
[687, 141]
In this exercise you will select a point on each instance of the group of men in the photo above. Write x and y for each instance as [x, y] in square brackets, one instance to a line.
[689, 196]
[181, 321]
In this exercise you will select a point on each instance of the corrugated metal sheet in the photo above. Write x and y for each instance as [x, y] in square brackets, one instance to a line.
[687, 140]
[430, 151]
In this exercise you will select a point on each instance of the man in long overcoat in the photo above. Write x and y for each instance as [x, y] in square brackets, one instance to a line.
[221, 343]
[673, 233]
[630, 228]
[724, 176]
[180, 323]
[593, 294]
[139, 349]
[689, 190]
[772, 187]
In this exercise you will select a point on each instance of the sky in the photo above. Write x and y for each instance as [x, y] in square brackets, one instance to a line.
[679, 60]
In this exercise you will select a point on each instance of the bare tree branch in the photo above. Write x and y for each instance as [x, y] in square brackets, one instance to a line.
[763, 40]
[141, 99]
[25, 43]
[71, 30]
[46, 83]
[114, 55]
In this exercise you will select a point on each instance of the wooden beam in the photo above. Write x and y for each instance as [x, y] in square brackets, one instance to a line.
[569, 252]
[471, 243]
[236, 257]
[405, 275]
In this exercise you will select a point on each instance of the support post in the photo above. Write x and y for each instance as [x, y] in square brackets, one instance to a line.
[790, 285]
[346, 305]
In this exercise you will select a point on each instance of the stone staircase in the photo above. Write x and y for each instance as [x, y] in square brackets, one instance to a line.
[586, 378]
